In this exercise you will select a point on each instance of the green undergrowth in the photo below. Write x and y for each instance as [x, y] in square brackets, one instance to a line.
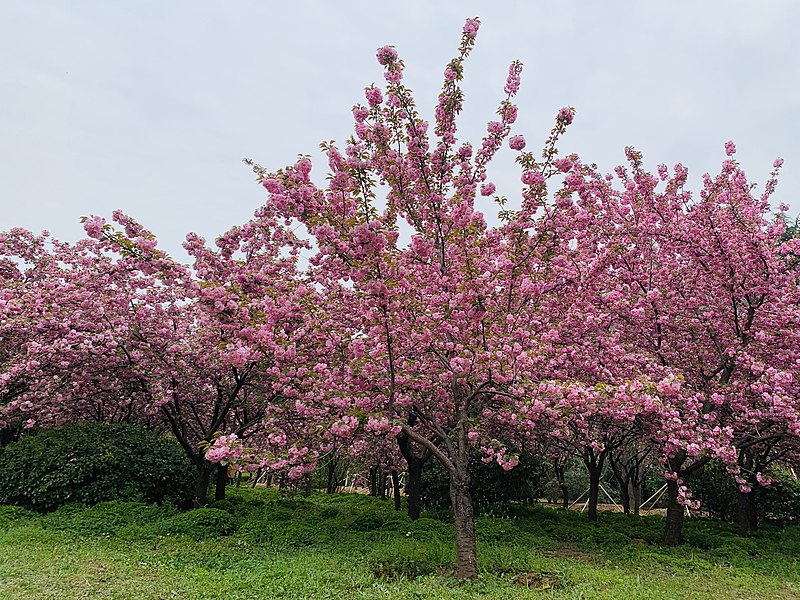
[257, 544]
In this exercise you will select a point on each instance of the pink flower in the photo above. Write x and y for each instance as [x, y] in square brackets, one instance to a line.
[565, 115]
[517, 142]
[494, 127]
[273, 185]
[512, 82]
[487, 189]
[532, 178]
[563, 164]
[94, 226]
[373, 95]
[386, 55]
[471, 28]
[730, 148]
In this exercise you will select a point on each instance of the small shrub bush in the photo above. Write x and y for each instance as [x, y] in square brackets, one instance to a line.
[91, 463]
[279, 536]
[398, 523]
[502, 532]
[366, 521]
[200, 523]
[780, 502]
[718, 494]
[491, 487]
[408, 559]
[225, 505]
[13, 515]
[105, 518]
[329, 512]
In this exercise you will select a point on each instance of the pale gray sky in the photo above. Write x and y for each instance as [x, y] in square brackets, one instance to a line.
[150, 105]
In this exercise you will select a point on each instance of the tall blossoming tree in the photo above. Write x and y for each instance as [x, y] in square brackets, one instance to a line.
[700, 295]
[444, 336]
[112, 328]
[64, 309]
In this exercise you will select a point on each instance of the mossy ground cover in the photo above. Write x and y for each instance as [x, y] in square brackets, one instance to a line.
[259, 545]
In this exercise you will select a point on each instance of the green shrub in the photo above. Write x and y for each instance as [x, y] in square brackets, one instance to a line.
[432, 525]
[367, 521]
[718, 494]
[408, 559]
[503, 532]
[13, 515]
[273, 513]
[225, 505]
[604, 537]
[91, 463]
[329, 512]
[780, 502]
[200, 523]
[398, 523]
[291, 534]
[715, 489]
[491, 487]
[105, 518]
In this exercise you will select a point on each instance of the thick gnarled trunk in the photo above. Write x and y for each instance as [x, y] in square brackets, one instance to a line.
[415, 464]
[561, 477]
[594, 492]
[594, 464]
[222, 482]
[673, 531]
[414, 490]
[746, 513]
[204, 470]
[453, 454]
[466, 547]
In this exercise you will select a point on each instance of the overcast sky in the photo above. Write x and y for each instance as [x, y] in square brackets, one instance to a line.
[150, 106]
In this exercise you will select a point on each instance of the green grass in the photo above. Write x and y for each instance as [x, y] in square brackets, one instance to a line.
[258, 545]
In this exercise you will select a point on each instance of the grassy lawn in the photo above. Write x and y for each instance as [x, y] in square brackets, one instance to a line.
[258, 545]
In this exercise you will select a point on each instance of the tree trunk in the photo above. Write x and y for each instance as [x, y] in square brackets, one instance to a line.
[396, 489]
[331, 486]
[675, 512]
[382, 484]
[254, 477]
[415, 463]
[635, 494]
[334, 480]
[624, 494]
[466, 548]
[562, 484]
[594, 491]
[746, 513]
[414, 489]
[203, 480]
[222, 482]
[373, 481]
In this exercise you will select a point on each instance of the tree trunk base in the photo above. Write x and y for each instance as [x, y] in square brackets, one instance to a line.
[466, 547]
[673, 531]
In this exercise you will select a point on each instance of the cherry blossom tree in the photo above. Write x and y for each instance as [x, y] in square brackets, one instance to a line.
[112, 328]
[699, 294]
[445, 334]
[64, 310]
